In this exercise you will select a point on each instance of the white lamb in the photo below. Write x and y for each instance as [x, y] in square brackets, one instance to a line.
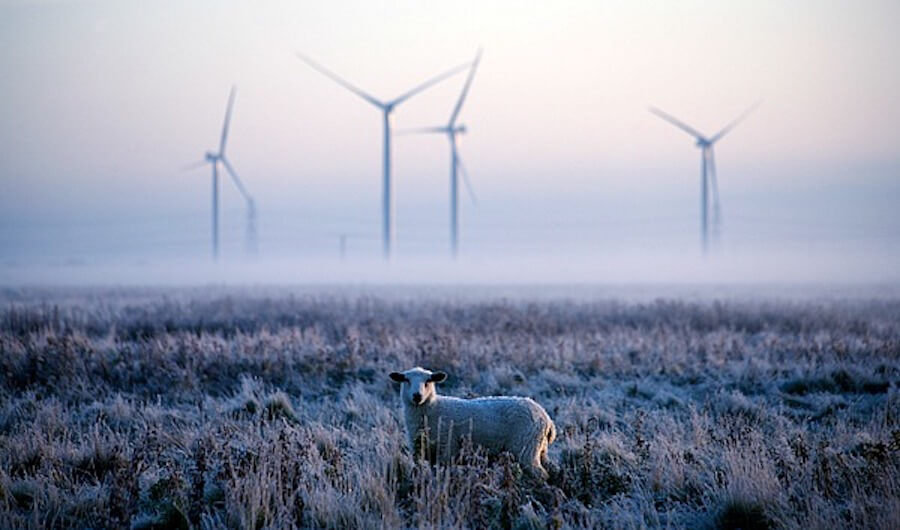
[436, 425]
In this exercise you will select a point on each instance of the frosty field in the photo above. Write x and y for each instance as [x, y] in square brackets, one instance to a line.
[155, 408]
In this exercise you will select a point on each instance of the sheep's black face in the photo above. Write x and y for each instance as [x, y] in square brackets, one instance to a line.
[417, 385]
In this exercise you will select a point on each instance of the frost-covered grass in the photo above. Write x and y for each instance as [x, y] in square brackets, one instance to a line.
[156, 409]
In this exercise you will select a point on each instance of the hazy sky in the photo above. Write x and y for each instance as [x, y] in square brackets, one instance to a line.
[103, 103]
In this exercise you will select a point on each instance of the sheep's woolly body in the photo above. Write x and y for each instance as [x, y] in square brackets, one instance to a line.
[515, 424]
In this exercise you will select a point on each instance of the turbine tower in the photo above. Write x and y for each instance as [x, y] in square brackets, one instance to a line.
[386, 107]
[452, 130]
[213, 159]
[707, 169]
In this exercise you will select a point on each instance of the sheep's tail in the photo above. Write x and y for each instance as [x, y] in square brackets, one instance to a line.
[551, 433]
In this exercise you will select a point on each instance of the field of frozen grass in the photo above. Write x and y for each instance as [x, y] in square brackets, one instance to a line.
[246, 409]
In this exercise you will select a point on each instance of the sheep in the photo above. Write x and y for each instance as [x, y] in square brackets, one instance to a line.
[436, 425]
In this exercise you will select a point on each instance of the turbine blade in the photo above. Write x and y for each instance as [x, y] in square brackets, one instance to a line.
[422, 130]
[236, 179]
[468, 183]
[716, 213]
[426, 84]
[227, 120]
[465, 91]
[195, 165]
[736, 121]
[677, 123]
[337, 79]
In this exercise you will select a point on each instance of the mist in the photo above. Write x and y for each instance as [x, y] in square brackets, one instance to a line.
[573, 180]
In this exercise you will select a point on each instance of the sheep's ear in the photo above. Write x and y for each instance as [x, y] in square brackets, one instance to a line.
[398, 377]
[438, 377]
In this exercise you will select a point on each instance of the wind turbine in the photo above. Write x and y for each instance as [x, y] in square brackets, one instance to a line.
[452, 130]
[707, 167]
[213, 159]
[386, 107]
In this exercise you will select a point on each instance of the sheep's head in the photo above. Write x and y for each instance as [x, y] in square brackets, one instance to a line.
[417, 385]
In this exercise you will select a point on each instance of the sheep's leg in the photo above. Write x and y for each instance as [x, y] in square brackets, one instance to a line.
[546, 440]
[446, 443]
[549, 435]
[423, 447]
[533, 457]
[419, 446]
[530, 459]
[536, 469]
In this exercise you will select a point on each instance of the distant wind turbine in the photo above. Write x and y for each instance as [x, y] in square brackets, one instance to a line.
[213, 159]
[386, 108]
[452, 130]
[707, 167]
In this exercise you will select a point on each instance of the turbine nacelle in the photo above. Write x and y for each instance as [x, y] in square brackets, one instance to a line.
[703, 142]
[211, 157]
